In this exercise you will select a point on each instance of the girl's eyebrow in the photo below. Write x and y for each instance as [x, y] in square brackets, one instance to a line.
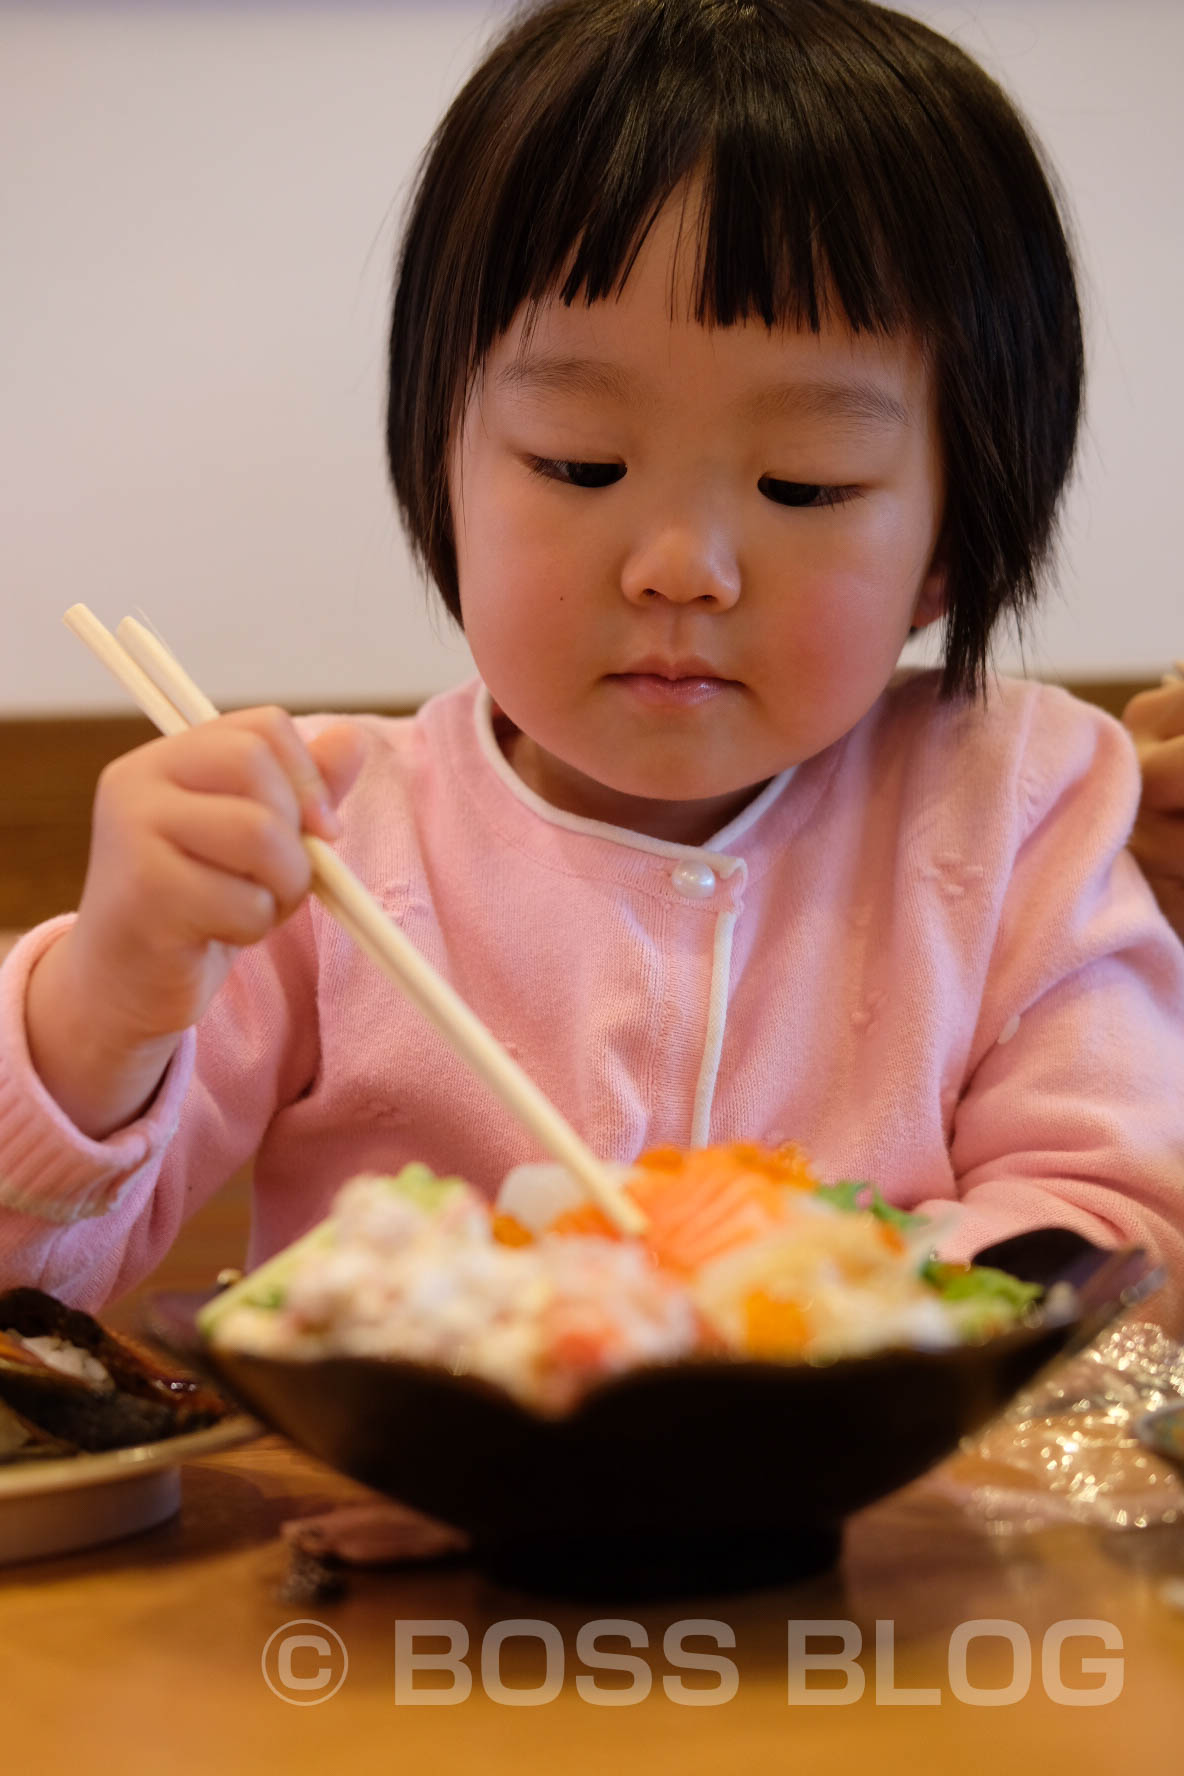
[545, 375]
[858, 401]
[861, 402]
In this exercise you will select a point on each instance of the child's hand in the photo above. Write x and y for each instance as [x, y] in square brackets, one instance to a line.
[1155, 720]
[196, 850]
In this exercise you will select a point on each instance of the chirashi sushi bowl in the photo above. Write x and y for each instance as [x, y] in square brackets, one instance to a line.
[695, 1408]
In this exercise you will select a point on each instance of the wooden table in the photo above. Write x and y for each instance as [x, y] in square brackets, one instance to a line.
[146, 1656]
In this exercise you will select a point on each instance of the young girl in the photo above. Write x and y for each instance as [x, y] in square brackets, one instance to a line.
[731, 343]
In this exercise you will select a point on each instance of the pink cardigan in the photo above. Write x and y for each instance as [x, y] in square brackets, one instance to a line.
[924, 955]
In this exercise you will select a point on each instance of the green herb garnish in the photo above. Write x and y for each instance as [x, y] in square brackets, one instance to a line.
[854, 1195]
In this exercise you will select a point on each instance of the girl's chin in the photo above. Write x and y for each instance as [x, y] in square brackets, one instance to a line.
[664, 798]
[684, 811]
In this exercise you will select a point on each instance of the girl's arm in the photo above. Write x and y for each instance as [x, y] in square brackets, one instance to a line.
[87, 1219]
[1072, 1113]
[1155, 721]
[195, 852]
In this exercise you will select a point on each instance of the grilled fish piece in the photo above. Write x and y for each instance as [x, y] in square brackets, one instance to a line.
[21, 1441]
[72, 1380]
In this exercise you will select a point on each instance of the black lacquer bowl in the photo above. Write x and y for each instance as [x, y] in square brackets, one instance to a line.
[692, 1477]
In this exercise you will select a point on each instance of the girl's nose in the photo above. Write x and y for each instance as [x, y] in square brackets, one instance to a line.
[683, 565]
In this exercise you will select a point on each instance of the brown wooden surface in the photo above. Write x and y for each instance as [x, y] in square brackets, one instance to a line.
[146, 1656]
[48, 771]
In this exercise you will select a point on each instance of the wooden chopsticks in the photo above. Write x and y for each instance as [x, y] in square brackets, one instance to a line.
[169, 697]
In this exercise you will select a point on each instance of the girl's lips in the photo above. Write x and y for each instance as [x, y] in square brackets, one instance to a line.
[661, 692]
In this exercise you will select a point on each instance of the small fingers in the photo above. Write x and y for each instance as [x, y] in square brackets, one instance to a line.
[221, 908]
[180, 902]
[279, 731]
[242, 838]
[339, 752]
[1163, 777]
[1158, 843]
[257, 753]
[1156, 714]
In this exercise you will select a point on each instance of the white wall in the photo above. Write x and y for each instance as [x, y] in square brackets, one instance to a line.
[198, 211]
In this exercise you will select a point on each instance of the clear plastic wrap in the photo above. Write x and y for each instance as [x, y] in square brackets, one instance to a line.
[1067, 1450]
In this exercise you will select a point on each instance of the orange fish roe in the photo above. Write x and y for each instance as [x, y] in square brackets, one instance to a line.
[703, 1201]
[786, 1164]
[891, 1236]
[774, 1328]
[508, 1231]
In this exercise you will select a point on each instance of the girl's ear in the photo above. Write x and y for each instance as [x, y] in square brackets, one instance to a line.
[931, 599]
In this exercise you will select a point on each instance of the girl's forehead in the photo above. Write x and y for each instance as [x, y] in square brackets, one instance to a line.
[651, 326]
[637, 345]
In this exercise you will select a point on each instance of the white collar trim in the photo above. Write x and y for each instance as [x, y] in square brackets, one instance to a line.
[715, 849]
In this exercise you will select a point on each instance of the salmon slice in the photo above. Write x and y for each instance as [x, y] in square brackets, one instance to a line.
[703, 1201]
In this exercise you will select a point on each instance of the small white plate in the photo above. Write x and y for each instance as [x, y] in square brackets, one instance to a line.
[55, 1507]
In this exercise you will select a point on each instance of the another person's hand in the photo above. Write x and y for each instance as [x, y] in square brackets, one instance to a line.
[196, 851]
[1155, 720]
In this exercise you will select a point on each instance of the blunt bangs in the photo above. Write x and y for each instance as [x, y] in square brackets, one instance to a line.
[851, 165]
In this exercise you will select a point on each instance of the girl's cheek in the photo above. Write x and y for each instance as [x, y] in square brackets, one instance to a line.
[850, 619]
[899, 539]
[519, 519]
[824, 628]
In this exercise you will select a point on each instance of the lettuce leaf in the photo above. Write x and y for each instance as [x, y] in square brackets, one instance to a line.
[853, 1195]
[984, 1300]
[979, 1283]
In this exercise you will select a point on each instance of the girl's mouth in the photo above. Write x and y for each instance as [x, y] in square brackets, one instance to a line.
[684, 692]
[673, 684]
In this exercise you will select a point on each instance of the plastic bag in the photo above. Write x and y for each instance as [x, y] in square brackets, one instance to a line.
[1067, 1449]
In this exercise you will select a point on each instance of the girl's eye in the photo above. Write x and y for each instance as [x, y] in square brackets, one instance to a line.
[802, 494]
[577, 474]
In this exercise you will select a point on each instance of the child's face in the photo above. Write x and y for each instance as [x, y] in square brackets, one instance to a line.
[653, 588]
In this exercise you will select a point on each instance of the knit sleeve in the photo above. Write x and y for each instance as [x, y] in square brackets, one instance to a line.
[88, 1219]
[1073, 1110]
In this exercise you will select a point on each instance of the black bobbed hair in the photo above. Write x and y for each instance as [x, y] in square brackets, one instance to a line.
[852, 162]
